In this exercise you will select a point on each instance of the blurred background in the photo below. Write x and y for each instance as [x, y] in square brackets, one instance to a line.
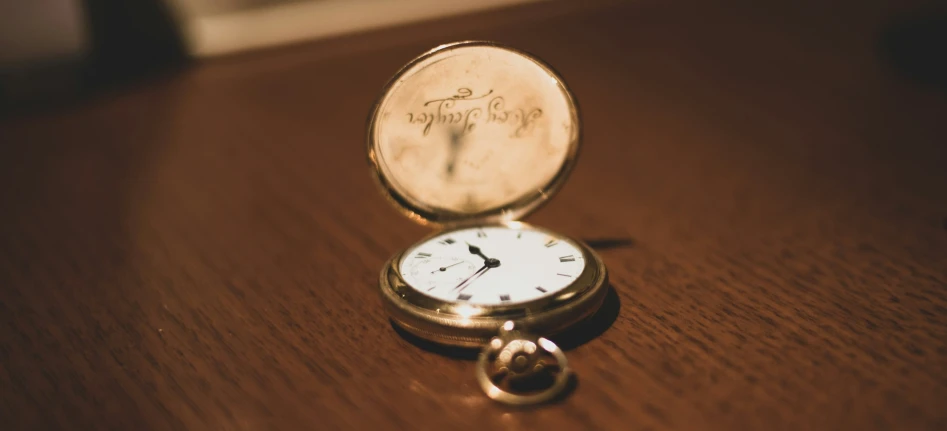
[51, 50]
[54, 49]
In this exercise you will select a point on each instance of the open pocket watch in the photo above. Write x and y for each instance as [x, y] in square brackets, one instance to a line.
[468, 138]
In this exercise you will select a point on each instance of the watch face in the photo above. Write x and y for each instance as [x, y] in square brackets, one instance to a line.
[492, 265]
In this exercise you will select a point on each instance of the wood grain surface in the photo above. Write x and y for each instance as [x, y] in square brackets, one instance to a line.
[767, 185]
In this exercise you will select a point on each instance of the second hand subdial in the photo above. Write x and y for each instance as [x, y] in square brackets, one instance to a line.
[444, 268]
[439, 271]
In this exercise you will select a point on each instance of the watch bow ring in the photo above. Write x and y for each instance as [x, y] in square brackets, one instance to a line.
[520, 369]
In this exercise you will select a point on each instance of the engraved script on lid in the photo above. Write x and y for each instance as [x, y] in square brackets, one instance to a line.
[474, 130]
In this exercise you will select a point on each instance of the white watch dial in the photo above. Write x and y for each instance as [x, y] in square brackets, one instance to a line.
[492, 265]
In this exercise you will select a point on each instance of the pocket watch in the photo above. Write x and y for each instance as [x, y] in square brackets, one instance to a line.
[468, 138]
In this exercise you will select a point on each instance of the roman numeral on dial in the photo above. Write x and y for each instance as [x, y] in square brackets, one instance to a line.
[569, 258]
[447, 241]
[504, 298]
[551, 243]
[422, 255]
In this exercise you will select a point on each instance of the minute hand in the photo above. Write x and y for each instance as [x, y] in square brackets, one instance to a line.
[473, 277]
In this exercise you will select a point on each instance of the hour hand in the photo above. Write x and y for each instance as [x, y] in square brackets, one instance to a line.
[476, 250]
[487, 261]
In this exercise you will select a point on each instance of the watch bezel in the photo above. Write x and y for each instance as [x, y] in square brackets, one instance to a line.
[470, 325]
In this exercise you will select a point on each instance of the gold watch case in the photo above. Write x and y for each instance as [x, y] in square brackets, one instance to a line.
[469, 325]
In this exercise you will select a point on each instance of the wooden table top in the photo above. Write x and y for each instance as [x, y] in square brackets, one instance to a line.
[767, 186]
